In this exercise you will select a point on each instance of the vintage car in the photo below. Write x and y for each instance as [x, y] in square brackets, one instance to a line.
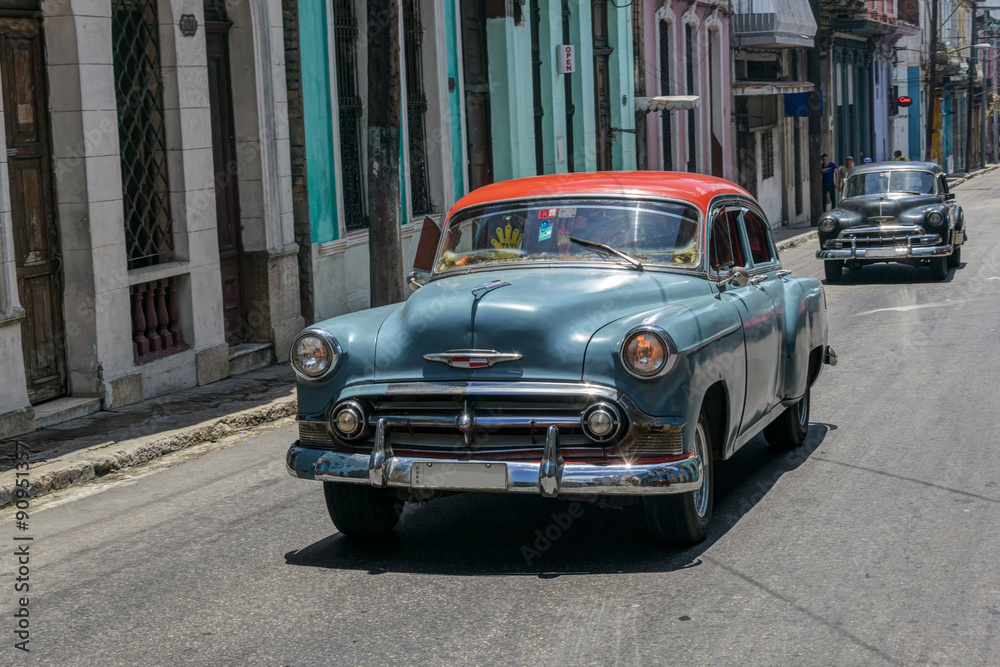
[893, 212]
[585, 335]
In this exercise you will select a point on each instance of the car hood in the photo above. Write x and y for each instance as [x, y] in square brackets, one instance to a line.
[548, 315]
[856, 211]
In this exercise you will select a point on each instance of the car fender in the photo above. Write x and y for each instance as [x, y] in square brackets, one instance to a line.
[805, 329]
[707, 334]
[356, 333]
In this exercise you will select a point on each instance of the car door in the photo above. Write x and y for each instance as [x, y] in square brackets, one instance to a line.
[764, 269]
[954, 211]
[728, 249]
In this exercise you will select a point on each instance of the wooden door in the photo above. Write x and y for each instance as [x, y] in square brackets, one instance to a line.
[479, 142]
[36, 244]
[602, 83]
[227, 196]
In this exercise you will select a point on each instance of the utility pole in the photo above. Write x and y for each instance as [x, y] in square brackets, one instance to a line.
[931, 84]
[384, 247]
[815, 122]
[972, 76]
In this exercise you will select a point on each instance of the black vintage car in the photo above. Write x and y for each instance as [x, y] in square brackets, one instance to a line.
[893, 212]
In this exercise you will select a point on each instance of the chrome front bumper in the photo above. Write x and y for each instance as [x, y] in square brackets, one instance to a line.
[550, 477]
[893, 252]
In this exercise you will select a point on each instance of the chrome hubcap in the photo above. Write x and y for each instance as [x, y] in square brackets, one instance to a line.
[700, 496]
[803, 410]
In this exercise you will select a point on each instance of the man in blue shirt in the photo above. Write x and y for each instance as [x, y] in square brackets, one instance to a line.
[829, 180]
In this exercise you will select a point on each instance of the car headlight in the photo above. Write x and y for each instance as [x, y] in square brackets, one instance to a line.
[315, 354]
[934, 218]
[827, 225]
[647, 352]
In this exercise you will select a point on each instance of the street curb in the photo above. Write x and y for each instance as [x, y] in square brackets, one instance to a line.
[796, 241]
[86, 464]
[985, 170]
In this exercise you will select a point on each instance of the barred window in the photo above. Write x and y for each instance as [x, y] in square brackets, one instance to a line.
[767, 154]
[139, 95]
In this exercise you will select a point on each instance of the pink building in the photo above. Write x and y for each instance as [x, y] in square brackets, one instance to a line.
[685, 51]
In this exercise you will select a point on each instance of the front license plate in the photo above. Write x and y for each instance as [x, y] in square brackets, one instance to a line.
[460, 476]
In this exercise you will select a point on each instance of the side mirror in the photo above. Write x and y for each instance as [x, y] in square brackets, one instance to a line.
[737, 275]
[949, 196]
[430, 235]
[416, 279]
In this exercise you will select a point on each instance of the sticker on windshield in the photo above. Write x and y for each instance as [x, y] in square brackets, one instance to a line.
[567, 213]
[545, 231]
[547, 213]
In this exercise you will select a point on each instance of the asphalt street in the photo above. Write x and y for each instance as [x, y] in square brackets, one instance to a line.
[878, 542]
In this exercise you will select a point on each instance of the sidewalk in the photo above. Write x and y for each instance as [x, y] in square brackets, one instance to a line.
[77, 451]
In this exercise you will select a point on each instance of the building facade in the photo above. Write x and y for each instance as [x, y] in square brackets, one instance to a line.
[147, 230]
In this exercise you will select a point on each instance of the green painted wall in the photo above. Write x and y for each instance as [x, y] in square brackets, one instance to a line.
[454, 100]
[318, 121]
[553, 87]
[622, 86]
[511, 107]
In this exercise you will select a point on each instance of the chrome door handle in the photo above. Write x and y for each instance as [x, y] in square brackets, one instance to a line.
[783, 273]
[758, 279]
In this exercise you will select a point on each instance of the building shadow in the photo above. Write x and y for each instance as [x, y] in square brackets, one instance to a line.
[498, 534]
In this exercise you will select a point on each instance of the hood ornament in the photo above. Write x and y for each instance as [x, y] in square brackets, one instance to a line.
[472, 358]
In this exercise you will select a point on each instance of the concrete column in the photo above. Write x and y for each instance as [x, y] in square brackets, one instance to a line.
[87, 179]
[622, 85]
[511, 105]
[584, 103]
[554, 147]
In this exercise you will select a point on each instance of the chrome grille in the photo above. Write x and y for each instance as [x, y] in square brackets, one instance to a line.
[665, 442]
[495, 422]
[315, 433]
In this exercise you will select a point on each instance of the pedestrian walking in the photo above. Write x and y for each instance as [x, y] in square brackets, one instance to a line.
[829, 180]
[842, 173]
[897, 156]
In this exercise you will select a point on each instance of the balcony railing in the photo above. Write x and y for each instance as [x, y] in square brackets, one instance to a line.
[156, 329]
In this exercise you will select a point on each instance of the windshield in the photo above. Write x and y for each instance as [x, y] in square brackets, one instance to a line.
[882, 182]
[656, 232]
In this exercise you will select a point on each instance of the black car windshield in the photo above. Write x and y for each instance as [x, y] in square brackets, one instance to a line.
[655, 232]
[882, 182]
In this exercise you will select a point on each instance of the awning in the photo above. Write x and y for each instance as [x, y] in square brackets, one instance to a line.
[772, 23]
[771, 87]
[666, 103]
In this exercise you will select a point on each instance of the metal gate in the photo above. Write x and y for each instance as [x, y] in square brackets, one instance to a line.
[345, 32]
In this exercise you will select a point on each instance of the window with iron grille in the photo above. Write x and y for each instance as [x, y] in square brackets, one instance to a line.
[141, 133]
[416, 106]
[692, 163]
[639, 72]
[345, 34]
[767, 154]
[666, 117]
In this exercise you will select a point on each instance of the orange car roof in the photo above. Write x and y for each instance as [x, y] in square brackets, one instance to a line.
[698, 189]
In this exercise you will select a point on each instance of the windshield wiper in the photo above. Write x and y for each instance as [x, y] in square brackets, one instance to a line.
[608, 249]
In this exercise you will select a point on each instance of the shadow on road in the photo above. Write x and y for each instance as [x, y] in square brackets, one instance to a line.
[892, 274]
[492, 534]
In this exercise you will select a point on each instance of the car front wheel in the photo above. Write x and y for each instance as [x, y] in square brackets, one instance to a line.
[939, 268]
[834, 269]
[685, 518]
[955, 258]
[789, 430]
[359, 510]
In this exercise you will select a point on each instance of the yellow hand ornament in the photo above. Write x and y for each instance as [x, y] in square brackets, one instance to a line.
[507, 238]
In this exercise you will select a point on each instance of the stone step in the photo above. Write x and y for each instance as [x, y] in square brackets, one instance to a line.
[63, 409]
[247, 357]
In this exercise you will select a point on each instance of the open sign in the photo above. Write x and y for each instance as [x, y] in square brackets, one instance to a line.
[566, 55]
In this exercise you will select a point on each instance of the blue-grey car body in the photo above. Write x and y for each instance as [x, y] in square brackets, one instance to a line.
[764, 342]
